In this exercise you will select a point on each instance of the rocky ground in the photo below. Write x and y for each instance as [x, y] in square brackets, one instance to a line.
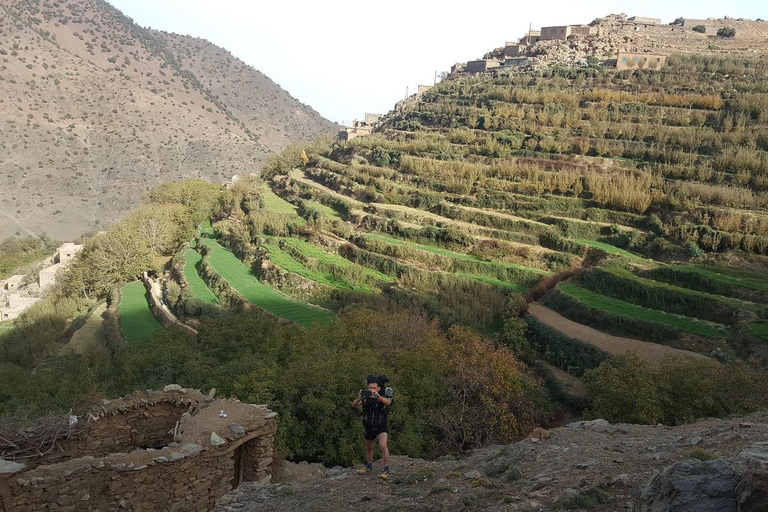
[584, 466]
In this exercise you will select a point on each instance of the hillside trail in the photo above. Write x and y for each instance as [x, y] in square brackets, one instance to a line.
[650, 352]
[85, 337]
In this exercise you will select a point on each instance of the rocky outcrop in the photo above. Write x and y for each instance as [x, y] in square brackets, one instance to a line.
[740, 485]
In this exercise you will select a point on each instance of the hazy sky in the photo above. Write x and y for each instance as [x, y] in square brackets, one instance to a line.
[348, 58]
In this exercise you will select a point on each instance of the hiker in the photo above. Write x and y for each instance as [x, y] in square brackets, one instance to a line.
[375, 403]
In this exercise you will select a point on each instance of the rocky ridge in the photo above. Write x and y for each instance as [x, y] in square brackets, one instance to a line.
[588, 465]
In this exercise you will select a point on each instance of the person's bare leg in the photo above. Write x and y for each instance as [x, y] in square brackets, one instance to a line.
[384, 448]
[369, 451]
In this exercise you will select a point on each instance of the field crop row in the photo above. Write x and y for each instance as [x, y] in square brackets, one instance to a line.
[241, 278]
[195, 283]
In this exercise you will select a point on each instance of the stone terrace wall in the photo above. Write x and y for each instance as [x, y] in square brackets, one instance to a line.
[114, 465]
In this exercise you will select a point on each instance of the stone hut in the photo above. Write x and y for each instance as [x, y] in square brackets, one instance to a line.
[174, 449]
[13, 283]
[644, 20]
[66, 252]
[555, 33]
[47, 276]
[481, 66]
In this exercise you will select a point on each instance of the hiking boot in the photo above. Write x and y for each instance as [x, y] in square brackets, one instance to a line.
[365, 470]
[384, 474]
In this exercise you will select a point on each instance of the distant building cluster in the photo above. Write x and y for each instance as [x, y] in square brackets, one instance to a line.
[359, 128]
[15, 296]
[521, 53]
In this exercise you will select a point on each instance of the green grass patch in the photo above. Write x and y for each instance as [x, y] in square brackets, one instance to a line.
[318, 254]
[617, 307]
[284, 260]
[241, 278]
[729, 276]
[445, 252]
[5, 327]
[195, 283]
[275, 203]
[610, 249]
[759, 329]
[137, 322]
[325, 210]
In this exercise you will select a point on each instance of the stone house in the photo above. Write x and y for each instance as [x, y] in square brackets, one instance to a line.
[555, 33]
[481, 66]
[422, 89]
[532, 37]
[645, 20]
[13, 283]
[15, 306]
[372, 119]
[47, 276]
[67, 251]
[626, 60]
[512, 49]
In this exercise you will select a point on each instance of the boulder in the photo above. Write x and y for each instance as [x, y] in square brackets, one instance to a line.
[751, 465]
[692, 486]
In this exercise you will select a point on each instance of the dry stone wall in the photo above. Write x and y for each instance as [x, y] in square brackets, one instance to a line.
[156, 450]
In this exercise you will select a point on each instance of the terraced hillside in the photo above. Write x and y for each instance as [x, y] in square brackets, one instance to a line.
[643, 194]
[137, 322]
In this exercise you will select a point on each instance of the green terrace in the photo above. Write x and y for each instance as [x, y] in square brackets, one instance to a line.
[610, 249]
[195, 283]
[285, 261]
[316, 253]
[241, 278]
[137, 323]
[618, 307]
[734, 277]
[759, 329]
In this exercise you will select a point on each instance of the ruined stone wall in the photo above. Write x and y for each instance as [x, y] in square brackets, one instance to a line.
[167, 450]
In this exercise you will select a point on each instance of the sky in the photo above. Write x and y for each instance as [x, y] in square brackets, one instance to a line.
[348, 58]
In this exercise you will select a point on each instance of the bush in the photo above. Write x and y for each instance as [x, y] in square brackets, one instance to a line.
[726, 32]
[567, 353]
[700, 29]
[627, 389]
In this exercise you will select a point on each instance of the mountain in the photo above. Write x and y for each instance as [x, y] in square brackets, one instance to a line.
[95, 110]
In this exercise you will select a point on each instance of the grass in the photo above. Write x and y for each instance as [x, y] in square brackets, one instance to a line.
[315, 252]
[5, 327]
[275, 203]
[729, 276]
[325, 210]
[610, 249]
[196, 284]
[137, 322]
[444, 252]
[242, 279]
[496, 282]
[284, 260]
[736, 303]
[759, 329]
[617, 307]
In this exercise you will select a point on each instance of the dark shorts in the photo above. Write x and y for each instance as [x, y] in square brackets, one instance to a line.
[371, 433]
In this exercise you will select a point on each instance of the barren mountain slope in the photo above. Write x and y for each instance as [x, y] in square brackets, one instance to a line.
[94, 110]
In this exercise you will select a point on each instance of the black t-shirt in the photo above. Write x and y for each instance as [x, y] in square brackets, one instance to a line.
[374, 413]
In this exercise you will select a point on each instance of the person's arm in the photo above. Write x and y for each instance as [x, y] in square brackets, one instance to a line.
[385, 401]
[357, 402]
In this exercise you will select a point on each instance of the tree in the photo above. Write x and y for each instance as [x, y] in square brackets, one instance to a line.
[678, 21]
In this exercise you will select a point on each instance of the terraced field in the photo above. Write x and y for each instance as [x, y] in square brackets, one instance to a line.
[137, 322]
[196, 285]
[617, 307]
[242, 279]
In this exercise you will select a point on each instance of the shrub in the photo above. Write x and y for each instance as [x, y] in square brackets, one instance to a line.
[700, 29]
[726, 32]
[677, 390]
[567, 353]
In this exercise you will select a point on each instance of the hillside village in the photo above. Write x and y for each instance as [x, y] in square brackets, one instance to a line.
[598, 246]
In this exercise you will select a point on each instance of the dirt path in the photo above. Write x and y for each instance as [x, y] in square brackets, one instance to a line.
[650, 352]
